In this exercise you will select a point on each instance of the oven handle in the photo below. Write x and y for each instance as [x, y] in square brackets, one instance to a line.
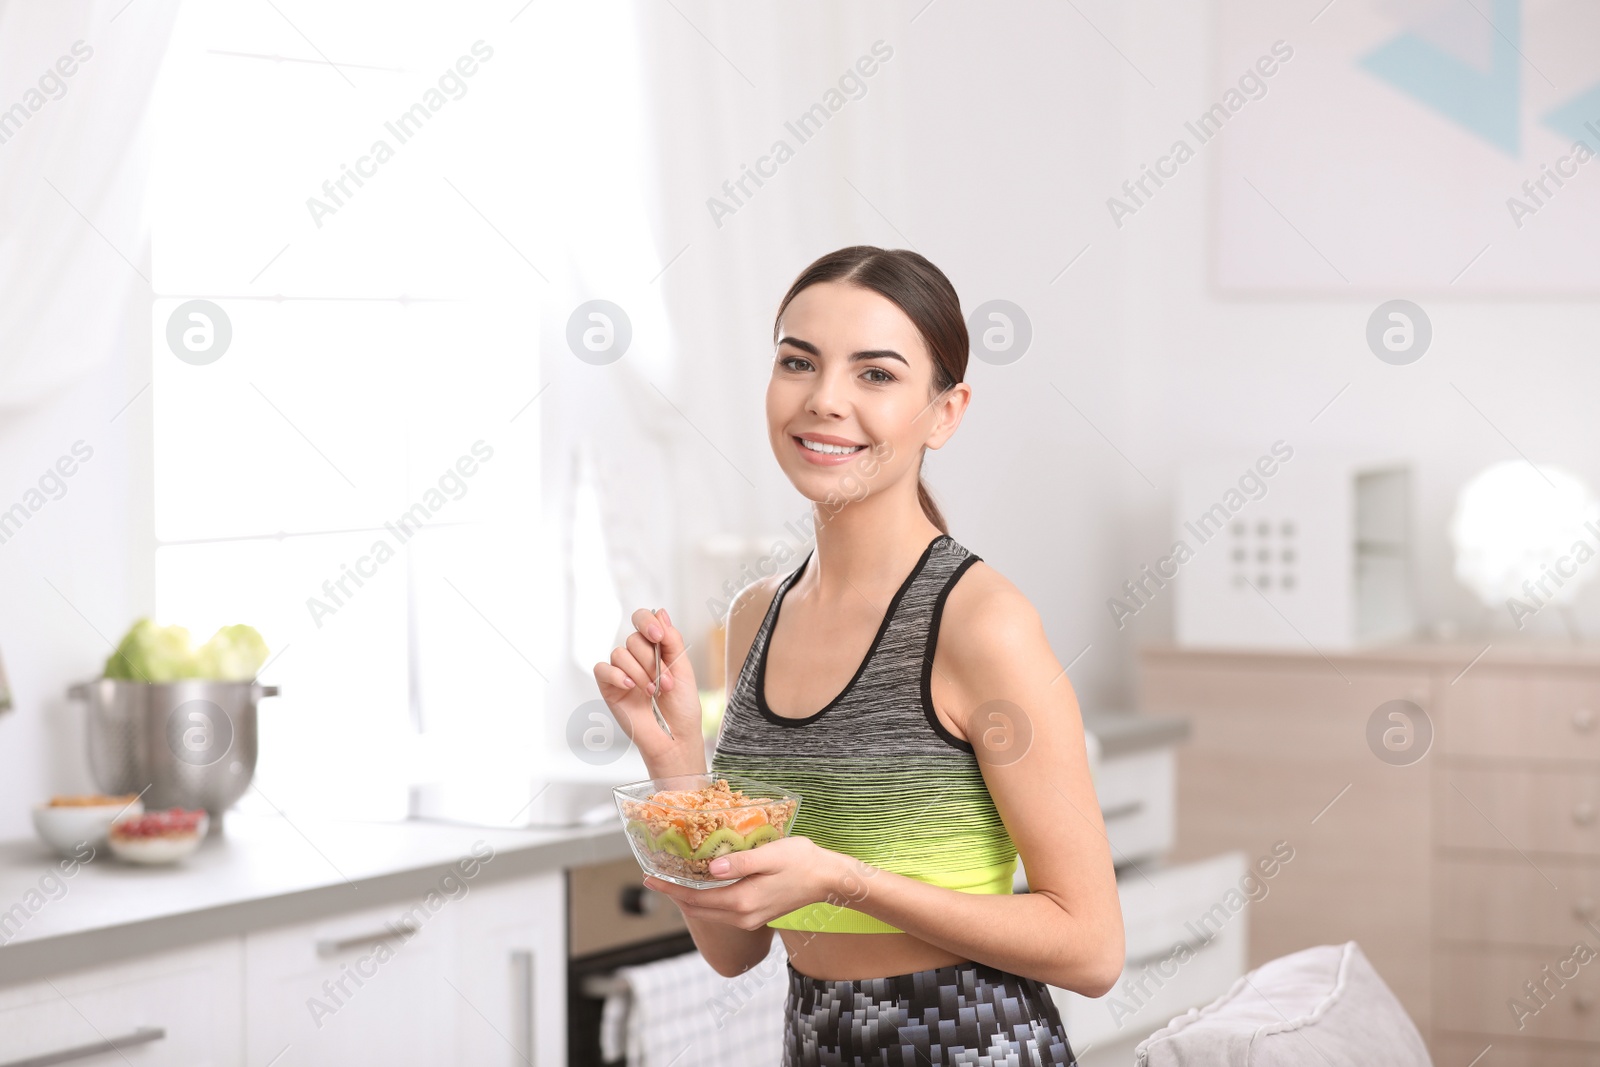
[1122, 811]
[601, 986]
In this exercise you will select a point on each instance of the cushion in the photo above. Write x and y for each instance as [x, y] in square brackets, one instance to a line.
[1320, 1007]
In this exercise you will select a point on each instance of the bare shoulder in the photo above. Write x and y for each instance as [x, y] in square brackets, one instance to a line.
[749, 607]
[984, 608]
[992, 634]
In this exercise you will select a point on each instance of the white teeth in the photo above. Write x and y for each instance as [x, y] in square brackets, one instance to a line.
[831, 450]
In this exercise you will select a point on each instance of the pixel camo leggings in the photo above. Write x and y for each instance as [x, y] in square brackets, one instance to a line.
[962, 1014]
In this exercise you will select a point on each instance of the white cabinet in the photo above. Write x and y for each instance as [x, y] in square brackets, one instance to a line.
[179, 1007]
[512, 967]
[476, 979]
[1136, 791]
[1186, 930]
[365, 987]
[473, 973]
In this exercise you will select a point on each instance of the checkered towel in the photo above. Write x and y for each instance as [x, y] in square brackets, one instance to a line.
[680, 1012]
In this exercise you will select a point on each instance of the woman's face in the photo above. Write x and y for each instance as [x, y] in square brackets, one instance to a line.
[852, 371]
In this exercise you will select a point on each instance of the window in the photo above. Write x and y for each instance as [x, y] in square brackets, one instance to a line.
[358, 474]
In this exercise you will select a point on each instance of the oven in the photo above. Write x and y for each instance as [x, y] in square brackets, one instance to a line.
[612, 921]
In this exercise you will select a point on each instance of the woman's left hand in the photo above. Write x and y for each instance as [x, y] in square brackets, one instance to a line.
[774, 879]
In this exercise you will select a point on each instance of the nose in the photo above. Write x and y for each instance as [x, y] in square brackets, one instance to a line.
[825, 398]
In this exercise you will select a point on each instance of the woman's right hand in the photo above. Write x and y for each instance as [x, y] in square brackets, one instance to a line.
[625, 684]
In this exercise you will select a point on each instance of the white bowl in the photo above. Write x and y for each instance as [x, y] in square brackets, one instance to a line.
[158, 850]
[66, 829]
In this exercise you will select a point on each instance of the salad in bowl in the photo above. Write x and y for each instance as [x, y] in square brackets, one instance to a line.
[677, 825]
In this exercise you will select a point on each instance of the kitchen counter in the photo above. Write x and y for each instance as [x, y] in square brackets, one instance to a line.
[268, 871]
[264, 872]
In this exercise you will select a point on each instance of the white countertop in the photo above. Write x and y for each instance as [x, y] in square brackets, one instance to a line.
[263, 871]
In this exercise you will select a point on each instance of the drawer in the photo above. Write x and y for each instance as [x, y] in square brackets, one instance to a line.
[362, 987]
[1459, 1050]
[1506, 901]
[1477, 985]
[1549, 810]
[1535, 715]
[1137, 798]
[1166, 907]
[172, 1008]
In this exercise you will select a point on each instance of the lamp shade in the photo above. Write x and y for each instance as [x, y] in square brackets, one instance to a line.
[1516, 524]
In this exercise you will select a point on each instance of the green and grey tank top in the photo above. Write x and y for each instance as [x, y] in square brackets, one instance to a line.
[879, 776]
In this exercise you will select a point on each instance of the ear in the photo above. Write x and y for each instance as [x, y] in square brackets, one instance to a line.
[947, 412]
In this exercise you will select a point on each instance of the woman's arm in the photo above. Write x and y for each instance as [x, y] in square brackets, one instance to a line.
[730, 950]
[1018, 709]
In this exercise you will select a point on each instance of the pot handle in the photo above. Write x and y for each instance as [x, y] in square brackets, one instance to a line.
[79, 691]
[266, 691]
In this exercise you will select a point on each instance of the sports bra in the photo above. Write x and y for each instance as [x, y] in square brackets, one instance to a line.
[879, 776]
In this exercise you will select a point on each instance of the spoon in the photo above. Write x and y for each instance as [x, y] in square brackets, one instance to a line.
[661, 720]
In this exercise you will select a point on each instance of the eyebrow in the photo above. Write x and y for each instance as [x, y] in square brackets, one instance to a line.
[855, 357]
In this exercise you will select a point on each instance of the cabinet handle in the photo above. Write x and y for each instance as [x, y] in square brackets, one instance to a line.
[522, 958]
[402, 931]
[1583, 908]
[1122, 811]
[1583, 813]
[142, 1036]
[1161, 954]
[1583, 720]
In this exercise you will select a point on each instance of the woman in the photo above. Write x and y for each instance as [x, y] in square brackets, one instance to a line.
[906, 691]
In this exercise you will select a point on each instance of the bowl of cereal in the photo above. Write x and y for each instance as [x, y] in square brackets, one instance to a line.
[677, 825]
[69, 824]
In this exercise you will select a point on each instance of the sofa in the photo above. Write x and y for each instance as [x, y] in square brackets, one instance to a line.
[1319, 1007]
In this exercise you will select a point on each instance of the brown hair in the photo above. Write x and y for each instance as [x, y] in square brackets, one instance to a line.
[917, 288]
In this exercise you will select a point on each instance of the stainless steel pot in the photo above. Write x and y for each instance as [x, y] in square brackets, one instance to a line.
[182, 744]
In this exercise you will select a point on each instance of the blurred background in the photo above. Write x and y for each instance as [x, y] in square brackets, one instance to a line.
[1283, 320]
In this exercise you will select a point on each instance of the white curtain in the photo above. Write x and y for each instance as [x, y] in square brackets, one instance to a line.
[694, 94]
[73, 237]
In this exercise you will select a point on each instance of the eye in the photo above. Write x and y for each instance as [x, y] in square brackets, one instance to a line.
[887, 377]
[786, 361]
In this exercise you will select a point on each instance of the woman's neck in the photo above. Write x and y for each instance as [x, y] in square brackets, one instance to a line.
[858, 552]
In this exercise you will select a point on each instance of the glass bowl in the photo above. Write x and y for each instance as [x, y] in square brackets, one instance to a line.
[677, 825]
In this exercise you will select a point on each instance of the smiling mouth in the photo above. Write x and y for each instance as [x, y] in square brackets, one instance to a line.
[829, 450]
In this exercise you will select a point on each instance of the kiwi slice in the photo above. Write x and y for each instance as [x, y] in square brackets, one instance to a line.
[762, 834]
[720, 842]
[673, 841]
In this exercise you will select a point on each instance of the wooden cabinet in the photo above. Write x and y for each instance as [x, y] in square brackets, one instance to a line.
[1465, 874]
[180, 1007]
[1517, 818]
[1502, 714]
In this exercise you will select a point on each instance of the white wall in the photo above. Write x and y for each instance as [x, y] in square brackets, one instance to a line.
[1212, 372]
[983, 143]
[78, 571]
[989, 142]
